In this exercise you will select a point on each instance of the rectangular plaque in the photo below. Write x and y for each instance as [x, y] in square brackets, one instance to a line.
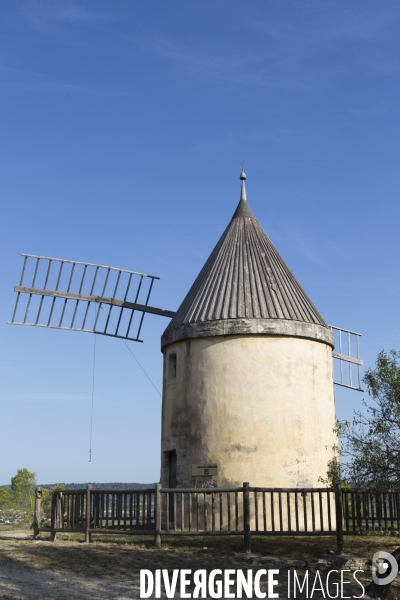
[204, 470]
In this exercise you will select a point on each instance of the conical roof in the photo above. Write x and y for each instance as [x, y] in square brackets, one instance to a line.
[244, 278]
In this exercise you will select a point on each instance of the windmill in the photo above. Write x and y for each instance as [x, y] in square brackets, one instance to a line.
[244, 295]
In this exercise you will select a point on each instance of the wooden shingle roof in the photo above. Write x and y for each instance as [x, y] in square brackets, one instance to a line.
[245, 278]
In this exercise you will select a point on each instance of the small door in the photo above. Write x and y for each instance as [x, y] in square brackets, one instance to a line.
[171, 484]
[172, 469]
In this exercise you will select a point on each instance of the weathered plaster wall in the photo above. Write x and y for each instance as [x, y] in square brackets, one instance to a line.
[260, 407]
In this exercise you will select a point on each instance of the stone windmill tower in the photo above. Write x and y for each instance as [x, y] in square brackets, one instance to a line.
[248, 384]
[248, 377]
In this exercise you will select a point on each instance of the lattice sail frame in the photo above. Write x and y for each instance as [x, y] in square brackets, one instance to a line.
[62, 292]
[60, 303]
[351, 344]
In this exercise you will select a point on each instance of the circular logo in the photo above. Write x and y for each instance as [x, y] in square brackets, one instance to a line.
[384, 568]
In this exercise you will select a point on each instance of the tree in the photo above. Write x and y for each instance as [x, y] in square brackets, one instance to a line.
[22, 489]
[5, 497]
[370, 445]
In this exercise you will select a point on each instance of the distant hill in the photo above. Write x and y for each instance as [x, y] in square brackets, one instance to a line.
[107, 486]
[104, 486]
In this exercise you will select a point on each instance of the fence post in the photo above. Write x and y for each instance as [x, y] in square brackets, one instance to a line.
[88, 536]
[157, 515]
[37, 514]
[339, 519]
[359, 519]
[246, 517]
[54, 516]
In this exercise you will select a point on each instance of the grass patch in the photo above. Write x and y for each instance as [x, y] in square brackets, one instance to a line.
[117, 555]
[120, 558]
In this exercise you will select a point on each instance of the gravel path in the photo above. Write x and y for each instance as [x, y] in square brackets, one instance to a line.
[39, 570]
[22, 583]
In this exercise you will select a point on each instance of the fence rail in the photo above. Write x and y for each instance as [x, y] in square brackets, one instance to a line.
[242, 510]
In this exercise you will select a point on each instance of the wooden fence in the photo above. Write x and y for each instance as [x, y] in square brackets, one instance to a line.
[366, 511]
[243, 511]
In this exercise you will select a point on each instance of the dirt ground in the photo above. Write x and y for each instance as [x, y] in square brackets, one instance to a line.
[110, 566]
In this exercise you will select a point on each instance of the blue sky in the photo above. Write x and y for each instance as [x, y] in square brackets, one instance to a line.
[122, 128]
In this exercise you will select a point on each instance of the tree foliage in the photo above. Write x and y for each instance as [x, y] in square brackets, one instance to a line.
[17, 500]
[5, 497]
[370, 445]
[22, 488]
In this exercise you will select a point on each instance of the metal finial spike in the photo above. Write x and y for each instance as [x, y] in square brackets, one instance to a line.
[243, 178]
